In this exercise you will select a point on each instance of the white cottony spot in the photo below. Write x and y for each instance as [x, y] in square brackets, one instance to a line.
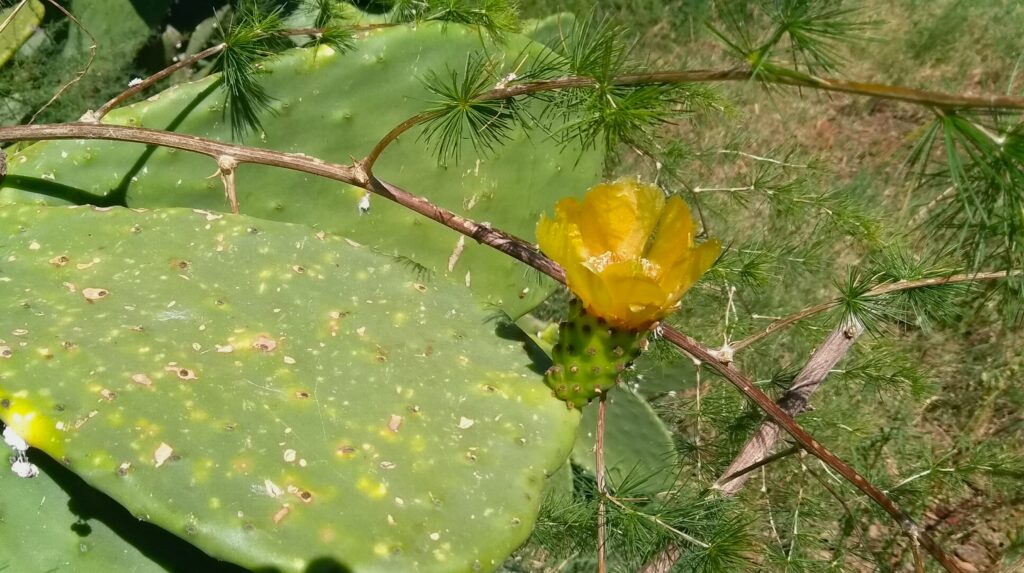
[12, 439]
[19, 464]
[24, 469]
[364, 204]
[134, 82]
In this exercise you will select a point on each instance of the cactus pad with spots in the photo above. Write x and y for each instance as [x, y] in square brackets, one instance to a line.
[336, 107]
[271, 394]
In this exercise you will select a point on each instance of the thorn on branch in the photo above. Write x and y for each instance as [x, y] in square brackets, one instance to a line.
[456, 253]
[226, 166]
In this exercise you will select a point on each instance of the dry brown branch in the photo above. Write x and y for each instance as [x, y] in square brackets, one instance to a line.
[794, 401]
[756, 452]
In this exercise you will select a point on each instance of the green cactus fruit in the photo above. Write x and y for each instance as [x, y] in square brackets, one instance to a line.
[589, 358]
[637, 443]
[272, 395]
[336, 107]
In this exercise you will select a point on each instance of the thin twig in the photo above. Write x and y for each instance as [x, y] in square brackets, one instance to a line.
[657, 521]
[928, 98]
[82, 72]
[728, 477]
[768, 506]
[484, 234]
[10, 17]
[211, 51]
[879, 290]
[391, 136]
[148, 82]
[796, 514]
[759, 158]
[602, 491]
[699, 189]
[882, 91]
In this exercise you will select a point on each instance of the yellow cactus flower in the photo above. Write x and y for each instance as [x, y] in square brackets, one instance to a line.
[628, 253]
[31, 425]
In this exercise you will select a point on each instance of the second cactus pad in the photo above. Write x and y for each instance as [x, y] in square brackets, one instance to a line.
[272, 395]
[336, 107]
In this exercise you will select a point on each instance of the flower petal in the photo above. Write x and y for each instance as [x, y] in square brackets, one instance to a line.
[627, 297]
[687, 272]
[673, 239]
[559, 238]
[619, 217]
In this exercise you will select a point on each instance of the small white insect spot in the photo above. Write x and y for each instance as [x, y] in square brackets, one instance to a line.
[466, 423]
[435, 536]
[289, 360]
[142, 379]
[134, 82]
[388, 465]
[224, 349]
[361, 331]
[33, 246]
[12, 439]
[364, 204]
[271, 489]
[24, 468]
[289, 455]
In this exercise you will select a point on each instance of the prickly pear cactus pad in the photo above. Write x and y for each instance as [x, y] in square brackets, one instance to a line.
[336, 107]
[271, 394]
